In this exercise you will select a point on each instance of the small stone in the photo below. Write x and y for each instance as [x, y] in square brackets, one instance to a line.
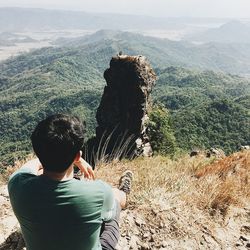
[2, 199]
[239, 244]
[127, 233]
[133, 242]
[146, 235]
[248, 245]
[126, 220]
[243, 238]
[152, 239]
[123, 234]
[4, 191]
[161, 225]
[139, 222]
[164, 244]
[245, 228]
[155, 211]
[145, 246]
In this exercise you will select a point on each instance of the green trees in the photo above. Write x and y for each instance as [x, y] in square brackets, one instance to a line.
[160, 132]
[208, 109]
[69, 79]
[220, 123]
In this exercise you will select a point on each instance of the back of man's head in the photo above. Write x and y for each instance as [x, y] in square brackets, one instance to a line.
[56, 141]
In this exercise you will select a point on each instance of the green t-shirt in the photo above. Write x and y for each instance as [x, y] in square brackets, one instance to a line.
[60, 215]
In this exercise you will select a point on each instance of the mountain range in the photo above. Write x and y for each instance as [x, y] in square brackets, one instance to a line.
[13, 19]
[69, 78]
[232, 58]
[26, 19]
[230, 32]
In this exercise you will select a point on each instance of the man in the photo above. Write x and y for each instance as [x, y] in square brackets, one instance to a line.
[56, 211]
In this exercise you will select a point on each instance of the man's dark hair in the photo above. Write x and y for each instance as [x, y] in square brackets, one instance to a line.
[56, 141]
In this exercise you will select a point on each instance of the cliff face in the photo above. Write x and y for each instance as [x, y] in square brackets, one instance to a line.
[123, 111]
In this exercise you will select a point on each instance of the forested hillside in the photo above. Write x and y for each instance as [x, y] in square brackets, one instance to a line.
[207, 108]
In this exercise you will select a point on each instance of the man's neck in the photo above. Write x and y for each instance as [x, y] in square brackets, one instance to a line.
[64, 176]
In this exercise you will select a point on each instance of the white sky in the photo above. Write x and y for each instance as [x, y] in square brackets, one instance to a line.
[165, 8]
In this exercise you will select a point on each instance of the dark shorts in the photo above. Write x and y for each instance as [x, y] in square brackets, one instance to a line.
[110, 232]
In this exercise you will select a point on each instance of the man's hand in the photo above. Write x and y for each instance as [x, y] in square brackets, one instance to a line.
[34, 165]
[85, 168]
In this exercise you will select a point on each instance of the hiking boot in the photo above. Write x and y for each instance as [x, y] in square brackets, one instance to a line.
[125, 181]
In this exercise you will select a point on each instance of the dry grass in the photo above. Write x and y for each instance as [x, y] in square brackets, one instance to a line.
[230, 165]
[189, 201]
[226, 181]
[206, 184]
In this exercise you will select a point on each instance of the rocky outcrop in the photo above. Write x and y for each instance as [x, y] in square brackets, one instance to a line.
[194, 152]
[215, 152]
[122, 115]
[212, 152]
[246, 147]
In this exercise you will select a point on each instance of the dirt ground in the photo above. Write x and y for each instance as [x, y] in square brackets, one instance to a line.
[167, 220]
[158, 225]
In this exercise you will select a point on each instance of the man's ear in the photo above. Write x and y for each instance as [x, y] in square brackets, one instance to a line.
[78, 156]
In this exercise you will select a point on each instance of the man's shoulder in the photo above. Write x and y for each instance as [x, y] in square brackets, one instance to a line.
[20, 177]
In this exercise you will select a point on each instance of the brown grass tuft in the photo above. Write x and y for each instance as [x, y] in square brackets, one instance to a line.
[226, 182]
[232, 164]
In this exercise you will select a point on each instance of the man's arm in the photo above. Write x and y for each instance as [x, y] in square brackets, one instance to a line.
[33, 166]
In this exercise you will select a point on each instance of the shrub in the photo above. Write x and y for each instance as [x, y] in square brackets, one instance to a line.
[160, 132]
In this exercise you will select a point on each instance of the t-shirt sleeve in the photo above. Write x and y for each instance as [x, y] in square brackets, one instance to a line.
[23, 170]
[15, 181]
[109, 204]
[18, 178]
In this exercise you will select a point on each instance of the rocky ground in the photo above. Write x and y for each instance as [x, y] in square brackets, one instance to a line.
[168, 228]
[155, 226]
[165, 221]
[10, 237]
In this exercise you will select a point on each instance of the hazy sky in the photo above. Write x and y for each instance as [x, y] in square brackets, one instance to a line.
[200, 8]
